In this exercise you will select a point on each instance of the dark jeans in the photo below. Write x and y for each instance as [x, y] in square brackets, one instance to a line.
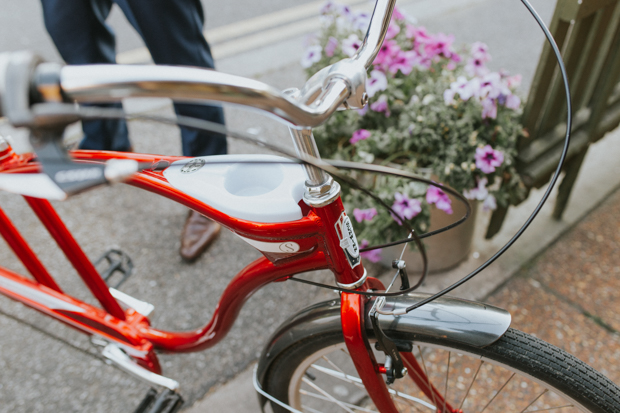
[171, 30]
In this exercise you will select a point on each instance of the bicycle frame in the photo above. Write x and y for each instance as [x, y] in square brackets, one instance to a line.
[315, 233]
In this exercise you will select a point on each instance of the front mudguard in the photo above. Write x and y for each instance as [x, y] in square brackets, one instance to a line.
[445, 320]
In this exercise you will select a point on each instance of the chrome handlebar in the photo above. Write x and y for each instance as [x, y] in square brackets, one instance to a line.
[111, 83]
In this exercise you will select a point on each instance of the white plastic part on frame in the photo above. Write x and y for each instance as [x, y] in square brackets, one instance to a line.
[258, 188]
[34, 185]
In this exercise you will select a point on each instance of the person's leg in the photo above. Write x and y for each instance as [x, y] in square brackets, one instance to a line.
[78, 29]
[172, 31]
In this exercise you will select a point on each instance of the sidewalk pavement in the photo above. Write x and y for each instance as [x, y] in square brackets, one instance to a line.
[46, 367]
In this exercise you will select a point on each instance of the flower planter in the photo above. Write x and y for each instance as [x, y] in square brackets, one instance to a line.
[434, 106]
[445, 250]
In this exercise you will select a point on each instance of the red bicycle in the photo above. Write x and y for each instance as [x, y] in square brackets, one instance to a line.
[369, 351]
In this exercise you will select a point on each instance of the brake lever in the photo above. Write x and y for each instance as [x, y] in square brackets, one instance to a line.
[48, 124]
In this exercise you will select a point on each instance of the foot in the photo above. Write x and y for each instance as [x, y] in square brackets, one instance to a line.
[198, 233]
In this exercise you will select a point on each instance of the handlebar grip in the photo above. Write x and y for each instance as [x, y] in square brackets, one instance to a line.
[16, 74]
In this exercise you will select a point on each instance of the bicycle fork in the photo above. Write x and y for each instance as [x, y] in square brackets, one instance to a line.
[353, 318]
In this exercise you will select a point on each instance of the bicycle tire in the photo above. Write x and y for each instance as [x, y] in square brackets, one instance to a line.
[537, 364]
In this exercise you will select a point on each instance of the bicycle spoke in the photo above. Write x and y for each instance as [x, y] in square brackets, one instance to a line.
[352, 406]
[358, 382]
[428, 379]
[411, 398]
[445, 393]
[310, 409]
[550, 408]
[407, 402]
[534, 401]
[498, 392]
[331, 363]
[329, 396]
[471, 384]
[340, 375]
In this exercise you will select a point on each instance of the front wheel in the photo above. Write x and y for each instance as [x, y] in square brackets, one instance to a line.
[517, 373]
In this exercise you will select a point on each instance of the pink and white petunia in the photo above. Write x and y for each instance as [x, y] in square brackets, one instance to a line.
[489, 108]
[478, 193]
[435, 195]
[311, 56]
[359, 135]
[373, 255]
[364, 214]
[351, 44]
[330, 47]
[376, 83]
[405, 207]
[487, 159]
[381, 105]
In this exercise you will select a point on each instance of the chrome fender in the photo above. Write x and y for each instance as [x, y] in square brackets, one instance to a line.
[447, 319]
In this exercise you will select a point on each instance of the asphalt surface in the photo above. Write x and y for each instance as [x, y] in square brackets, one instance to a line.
[46, 367]
[21, 22]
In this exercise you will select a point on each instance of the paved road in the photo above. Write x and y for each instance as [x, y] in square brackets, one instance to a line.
[21, 22]
[45, 367]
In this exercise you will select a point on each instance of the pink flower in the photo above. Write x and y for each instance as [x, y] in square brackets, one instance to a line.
[418, 34]
[393, 30]
[351, 44]
[463, 87]
[487, 159]
[489, 204]
[328, 7]
[312, 55]
[359, 135]
[403, 61]
[405, 207]
[373, 255]
[481, 50]
[389, 49]
[476, 67]
[361, 21]
[376, 82]
[364, 214]
[346, 12]
[491, 86]
[397, 15]
[513, 81]
[480, 192]
[438, 197]
[410, 31]
[489, 108]
[441, 44]
[448, 96]
[381, 105]
[330, 47]
[513, 102]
